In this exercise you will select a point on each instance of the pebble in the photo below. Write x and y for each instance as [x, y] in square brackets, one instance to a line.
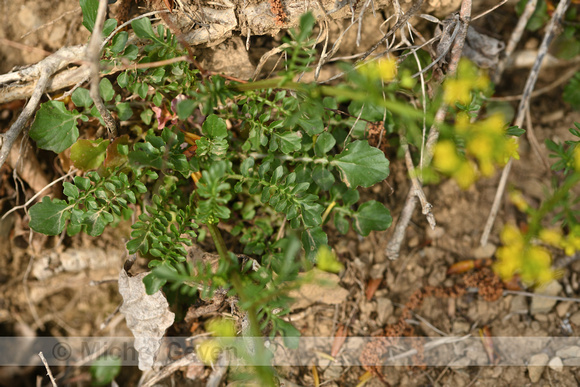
[460, 327]
[544, 305]
[460, 363]
[384, 310]
[556, 364]
[563, 308]
[536, 366]
[572, 362]
[519, 305]
[575, 319]
[568, 352]
[486, 251]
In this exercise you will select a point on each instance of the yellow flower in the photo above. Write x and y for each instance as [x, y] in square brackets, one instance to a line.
[465, 176]
[482, 82]
[511, 235]
[571, 244]
[509, 261]
[577, 158]
[536, 266]
[486, 167]
[511, 150]
[493, 124]
[467, 70]
[481, 146]
[445, 157]
[387, 69]
[221, 327]
[208, 351]
[457, 90]
[551, 237]
[518, 200]
[462, 122]
[384, 69]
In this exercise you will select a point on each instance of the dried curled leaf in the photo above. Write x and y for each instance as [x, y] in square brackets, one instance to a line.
[148, 317]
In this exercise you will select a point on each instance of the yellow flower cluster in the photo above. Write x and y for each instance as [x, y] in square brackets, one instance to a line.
[518, 256]
[569, 243]
[577, 158]
[209, 350]
[383, 69]
[467, 79]
[485, 142]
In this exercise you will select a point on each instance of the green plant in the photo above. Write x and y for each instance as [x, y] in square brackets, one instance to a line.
[289, 163]
[275, 160]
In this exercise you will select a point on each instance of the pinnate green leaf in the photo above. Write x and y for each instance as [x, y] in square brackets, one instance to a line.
[49, 216]
[371, 216]
[54, 128]
[88, 154]
[361, 165]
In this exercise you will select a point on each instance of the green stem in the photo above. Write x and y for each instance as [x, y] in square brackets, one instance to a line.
[551, 203]
[265, 372]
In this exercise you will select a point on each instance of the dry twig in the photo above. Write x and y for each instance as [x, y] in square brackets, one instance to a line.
[44, 71]
[515, 38]
[530, 83]
[94, 57]
[48, 372]
[394, 245]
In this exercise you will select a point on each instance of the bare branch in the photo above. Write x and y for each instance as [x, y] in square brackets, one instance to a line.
[44, 70]
[94, 57]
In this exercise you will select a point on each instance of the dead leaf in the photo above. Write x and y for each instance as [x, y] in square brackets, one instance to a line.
[148, 317]
[324, 288]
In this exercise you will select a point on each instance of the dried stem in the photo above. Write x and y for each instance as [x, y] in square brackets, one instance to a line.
[94, 56]
[394, 245]
[528, 88]
[44, 71]
[48, 371]
[417, 189]
[515, 38]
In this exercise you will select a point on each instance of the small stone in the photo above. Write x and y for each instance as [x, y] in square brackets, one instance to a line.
[572, 362]
[568, 352]
[519, 305]
[384, 310]
[536, 366]
[486, 251]
[556, 364]
[460, 327]
[413, 242]
[434, 234]
[333, 372]
[460, 363]
[543, 304]
[575, 319]
[563, 307]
